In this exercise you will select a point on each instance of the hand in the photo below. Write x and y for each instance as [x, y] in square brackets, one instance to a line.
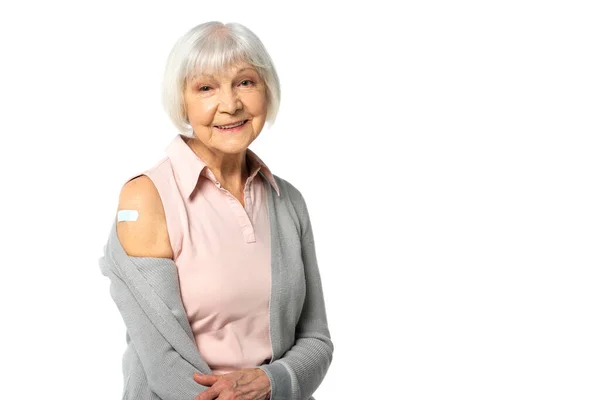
[243, 384]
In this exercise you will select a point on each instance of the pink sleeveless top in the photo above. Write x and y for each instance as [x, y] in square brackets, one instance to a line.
[223, 255]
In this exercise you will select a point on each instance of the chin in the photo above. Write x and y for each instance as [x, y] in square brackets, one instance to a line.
[233, 149]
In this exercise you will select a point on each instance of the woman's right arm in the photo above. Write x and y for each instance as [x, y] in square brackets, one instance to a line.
[169, 375]
[148, 235]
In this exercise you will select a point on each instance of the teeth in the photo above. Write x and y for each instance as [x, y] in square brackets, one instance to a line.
[230, 126]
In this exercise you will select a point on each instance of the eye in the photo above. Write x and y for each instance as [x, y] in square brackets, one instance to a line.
[204, 88]
[246, 80]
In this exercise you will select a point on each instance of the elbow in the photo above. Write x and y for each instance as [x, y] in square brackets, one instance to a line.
[326, 347]
[326, 352]
[330, 349]
[322, 347]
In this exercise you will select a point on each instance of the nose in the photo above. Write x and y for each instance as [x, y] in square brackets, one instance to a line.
[229, 101]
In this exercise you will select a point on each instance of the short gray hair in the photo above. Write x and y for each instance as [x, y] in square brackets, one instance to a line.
[215, 46]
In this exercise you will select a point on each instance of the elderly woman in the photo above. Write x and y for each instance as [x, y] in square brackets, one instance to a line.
[211, 256]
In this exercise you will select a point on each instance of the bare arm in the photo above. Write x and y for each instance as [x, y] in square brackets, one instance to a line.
[148, 235]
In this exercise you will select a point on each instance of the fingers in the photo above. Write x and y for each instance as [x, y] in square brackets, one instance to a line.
[246, 384]
[206, 380]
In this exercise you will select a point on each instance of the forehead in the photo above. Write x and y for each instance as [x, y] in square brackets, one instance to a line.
[226, 71]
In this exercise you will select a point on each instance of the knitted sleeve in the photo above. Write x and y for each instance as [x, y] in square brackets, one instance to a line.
[145, 292]
[300, 371]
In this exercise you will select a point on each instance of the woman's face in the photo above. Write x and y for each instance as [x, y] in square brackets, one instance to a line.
[238, 94]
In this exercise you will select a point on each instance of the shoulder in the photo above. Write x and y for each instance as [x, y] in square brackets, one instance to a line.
[287, 190]
[291, 196]
[148, 235]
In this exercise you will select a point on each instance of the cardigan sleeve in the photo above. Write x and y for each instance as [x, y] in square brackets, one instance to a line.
[300, 371]
[169, 375]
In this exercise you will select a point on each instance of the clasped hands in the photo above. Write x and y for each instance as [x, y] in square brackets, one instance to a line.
[243, 384]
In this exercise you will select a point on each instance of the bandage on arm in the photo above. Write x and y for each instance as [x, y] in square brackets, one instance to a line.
[127, 215]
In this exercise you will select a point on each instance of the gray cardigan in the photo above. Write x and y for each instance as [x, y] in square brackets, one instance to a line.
[161, 353]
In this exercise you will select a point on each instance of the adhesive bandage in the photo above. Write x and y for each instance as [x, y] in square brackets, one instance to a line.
[127, 215]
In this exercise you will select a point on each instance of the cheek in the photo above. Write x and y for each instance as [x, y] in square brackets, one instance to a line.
[257, 104]
[201, 112]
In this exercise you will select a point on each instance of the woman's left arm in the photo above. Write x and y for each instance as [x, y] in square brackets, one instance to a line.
[300, 371]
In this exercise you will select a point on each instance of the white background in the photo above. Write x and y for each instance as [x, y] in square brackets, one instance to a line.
[448, 153]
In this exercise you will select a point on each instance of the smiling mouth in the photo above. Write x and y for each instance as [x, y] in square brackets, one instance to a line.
[232, 126]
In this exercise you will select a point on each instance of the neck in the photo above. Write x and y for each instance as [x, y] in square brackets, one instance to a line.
[231, 170]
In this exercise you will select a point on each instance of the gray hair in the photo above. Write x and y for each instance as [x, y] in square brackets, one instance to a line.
[215, 46]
